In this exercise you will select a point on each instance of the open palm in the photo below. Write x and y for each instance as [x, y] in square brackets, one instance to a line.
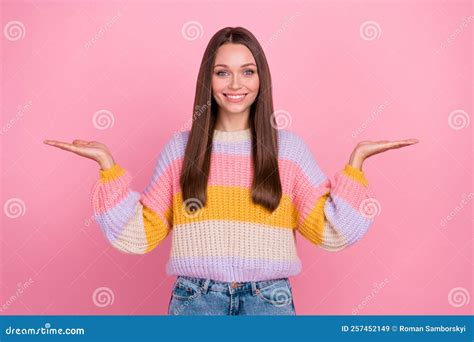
[89, 149]
[368, 148]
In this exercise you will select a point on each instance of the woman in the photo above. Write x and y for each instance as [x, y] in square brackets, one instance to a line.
[233, 191]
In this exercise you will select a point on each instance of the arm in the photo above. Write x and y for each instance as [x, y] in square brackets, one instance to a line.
[134, 222]
[332, 216]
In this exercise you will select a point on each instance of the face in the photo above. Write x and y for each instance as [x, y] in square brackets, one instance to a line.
[235, 81]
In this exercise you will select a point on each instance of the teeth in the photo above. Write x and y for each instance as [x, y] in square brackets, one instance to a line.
[235, 97]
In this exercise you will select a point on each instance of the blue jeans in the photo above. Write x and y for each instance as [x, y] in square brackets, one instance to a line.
[200, 296]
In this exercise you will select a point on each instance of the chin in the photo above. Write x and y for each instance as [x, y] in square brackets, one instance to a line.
[236, 109]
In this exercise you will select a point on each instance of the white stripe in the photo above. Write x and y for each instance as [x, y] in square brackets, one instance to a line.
[233, 238]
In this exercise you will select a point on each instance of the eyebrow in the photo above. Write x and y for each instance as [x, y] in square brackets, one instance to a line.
[244, 65]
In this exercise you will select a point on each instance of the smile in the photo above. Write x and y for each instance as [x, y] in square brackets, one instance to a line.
[235, 97]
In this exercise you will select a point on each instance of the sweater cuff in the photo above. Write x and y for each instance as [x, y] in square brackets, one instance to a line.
[112, 173]
[356, 174]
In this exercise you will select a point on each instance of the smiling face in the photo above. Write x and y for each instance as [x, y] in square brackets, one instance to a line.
[235, 81]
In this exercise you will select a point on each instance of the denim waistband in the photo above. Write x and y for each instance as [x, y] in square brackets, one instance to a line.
[206, 284]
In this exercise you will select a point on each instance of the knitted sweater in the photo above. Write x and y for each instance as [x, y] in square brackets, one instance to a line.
[231, 238]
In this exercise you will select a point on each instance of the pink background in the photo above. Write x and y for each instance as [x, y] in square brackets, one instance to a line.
[339, 85]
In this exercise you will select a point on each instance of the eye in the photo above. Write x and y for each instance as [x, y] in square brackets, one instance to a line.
[219, 73]
[249, 72]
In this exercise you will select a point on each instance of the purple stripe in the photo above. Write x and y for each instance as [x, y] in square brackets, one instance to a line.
[346, 219]
[114, 220]
[232, 268]
[291, 147]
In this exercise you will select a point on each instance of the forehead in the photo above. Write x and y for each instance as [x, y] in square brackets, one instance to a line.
[234, 55]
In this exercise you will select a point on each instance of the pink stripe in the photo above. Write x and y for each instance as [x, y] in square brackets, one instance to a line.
[108, 195]
[219, 173]
[350, 190]
[159, 201]
[306, 199]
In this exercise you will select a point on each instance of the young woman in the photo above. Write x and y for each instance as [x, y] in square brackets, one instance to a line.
[233, 191]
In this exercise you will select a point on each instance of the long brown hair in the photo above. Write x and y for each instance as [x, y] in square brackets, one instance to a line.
[266, 185]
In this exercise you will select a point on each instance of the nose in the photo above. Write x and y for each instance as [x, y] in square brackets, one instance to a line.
[235, 83]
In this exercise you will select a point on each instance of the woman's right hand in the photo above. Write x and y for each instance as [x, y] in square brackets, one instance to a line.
[89, 149]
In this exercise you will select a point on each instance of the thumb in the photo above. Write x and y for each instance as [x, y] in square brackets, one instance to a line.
[80, 142]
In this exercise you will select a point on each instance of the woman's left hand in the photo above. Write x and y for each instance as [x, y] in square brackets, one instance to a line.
[368, 148]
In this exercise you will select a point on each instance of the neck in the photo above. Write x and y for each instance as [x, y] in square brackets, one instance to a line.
[230, 122]
[232, 136]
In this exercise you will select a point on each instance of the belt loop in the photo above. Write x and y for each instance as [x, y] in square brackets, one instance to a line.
[205, 285]
[254, 288]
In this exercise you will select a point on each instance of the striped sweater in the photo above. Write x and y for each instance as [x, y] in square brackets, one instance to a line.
[231, 238]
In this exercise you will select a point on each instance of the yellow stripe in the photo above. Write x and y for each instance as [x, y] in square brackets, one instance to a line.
[155, 229]
[356, 174]
[235, 203]
[313, 226]
[111, 173]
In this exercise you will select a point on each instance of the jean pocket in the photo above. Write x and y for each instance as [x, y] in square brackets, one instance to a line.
[278, 293]
[184, 289]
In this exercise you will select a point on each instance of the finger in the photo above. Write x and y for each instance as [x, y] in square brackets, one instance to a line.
[51, 142]
[80, 142]
[408, 141]
[62, 145]
[413, 141]
[402, 143]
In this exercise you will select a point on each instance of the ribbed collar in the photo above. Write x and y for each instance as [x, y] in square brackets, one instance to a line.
[232, 136]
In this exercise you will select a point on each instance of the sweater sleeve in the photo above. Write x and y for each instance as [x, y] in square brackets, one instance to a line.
[134, 222]
[333, 216]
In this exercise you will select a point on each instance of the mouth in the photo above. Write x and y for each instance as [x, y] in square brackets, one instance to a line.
[235, 97]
